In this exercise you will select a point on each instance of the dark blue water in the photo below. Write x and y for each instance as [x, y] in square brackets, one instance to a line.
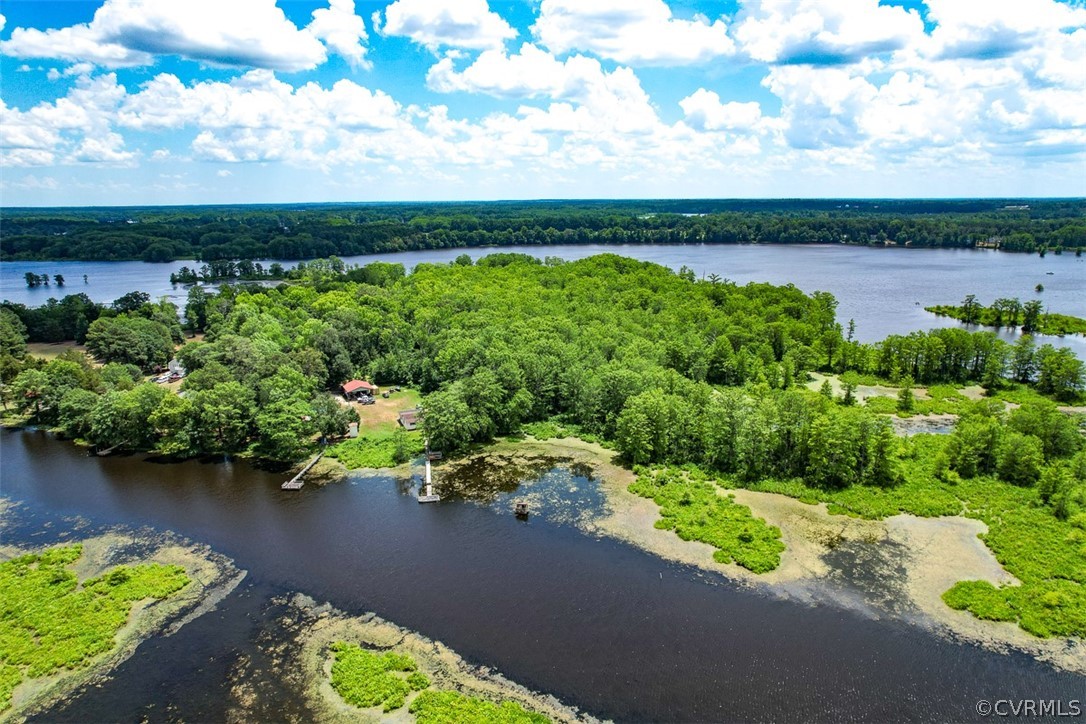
[603, 626]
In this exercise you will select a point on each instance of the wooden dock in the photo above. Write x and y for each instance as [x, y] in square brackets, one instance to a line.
[296, 482]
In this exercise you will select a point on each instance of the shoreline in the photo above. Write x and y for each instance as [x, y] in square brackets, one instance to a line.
[318, 626]
[933, 553]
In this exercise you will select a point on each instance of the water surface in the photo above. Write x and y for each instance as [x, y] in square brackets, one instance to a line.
[883, 289]
[603, 626]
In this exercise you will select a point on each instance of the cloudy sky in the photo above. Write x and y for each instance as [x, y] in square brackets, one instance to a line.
[226, 101]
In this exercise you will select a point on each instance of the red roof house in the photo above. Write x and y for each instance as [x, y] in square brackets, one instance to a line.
[355, 387]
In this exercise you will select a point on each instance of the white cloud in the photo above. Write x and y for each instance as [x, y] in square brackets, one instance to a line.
[638, 32]
[705, 112]
[40, 183]
[988, 29]
[342, 30]
[434, 23]
[256, 33]
[76, 43]
[824, 32]
[223, 173]
[71, 70]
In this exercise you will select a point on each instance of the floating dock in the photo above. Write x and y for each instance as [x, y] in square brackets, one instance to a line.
[296, 482]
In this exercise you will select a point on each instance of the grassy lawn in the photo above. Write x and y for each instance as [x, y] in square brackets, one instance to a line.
[52, 350]
[381, 442]
[383, 415]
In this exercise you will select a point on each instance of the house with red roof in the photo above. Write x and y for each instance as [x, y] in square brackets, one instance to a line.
[354, 389]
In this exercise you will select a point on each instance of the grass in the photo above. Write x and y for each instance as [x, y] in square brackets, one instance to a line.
[555, 428]
[881, 405]
[691, 505]
[945, 400]
[367, 679]
[49, 622]
[377, 449]
[452, 707]
[382, 417]
[1020, 394]
[1046, 554]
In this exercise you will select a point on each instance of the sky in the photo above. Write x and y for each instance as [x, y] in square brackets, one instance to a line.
[126, 102]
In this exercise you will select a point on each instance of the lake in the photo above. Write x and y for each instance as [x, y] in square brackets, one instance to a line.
[883, 289]
[604, 626]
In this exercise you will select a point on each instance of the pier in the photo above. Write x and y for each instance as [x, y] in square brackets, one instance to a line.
[296, 482]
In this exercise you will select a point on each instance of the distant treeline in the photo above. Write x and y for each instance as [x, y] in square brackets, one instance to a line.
[211, 233]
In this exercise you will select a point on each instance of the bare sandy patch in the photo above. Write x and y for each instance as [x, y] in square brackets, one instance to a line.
[943, 551]
[933, 553]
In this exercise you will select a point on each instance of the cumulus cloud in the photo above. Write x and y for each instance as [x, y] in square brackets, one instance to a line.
[704, 111]
[342, 30]
[434, 23]
[824, 32]
[256, 33]
[637, 32]
[988, 29]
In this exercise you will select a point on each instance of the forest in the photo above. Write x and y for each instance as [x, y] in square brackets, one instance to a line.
[291, 232]
[667, 369]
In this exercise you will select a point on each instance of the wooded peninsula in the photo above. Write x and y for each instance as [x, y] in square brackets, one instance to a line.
[697, 384]
[307, 231]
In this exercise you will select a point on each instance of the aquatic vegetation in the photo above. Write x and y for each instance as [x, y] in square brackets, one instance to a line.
[945, 400]
[367, 678]
[692, 505]
[49, 622]
[452, 707]
[1045, 552]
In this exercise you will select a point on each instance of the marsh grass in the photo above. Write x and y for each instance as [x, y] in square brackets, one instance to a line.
[365, 679]
[691, 505]
[49, 622]
[1045, 553]
[452, 707]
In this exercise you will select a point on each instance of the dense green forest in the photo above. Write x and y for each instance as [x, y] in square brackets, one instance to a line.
[667, 369]
[287, 232]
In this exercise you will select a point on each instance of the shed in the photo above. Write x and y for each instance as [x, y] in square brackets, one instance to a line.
[354, 388]
[410, 418]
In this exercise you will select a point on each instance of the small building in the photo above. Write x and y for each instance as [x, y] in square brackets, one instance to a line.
[354, 389]
[410, 418]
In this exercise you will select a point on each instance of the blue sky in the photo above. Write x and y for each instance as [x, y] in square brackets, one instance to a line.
[239, 101]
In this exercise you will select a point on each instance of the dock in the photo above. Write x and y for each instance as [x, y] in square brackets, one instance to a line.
[296, 482]
[426, 493]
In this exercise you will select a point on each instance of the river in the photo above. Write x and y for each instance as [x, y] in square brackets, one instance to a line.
[603, 626]
[883, 289]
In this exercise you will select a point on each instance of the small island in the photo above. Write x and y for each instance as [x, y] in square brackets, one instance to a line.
[1030, 317]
